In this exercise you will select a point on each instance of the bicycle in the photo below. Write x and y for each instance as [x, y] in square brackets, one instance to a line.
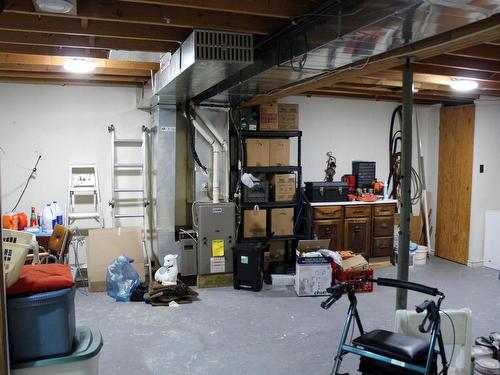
[388, 353]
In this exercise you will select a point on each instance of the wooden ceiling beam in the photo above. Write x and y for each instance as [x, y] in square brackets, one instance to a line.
[60, 69]
[463, 37]
[452, 72]
[163, 16]
[70, 26]
[65, 82]
[466, 63]
[482, 51]
[367, 97]
[71, 77]
[265, 8]
[76, 41]
[52, 51]
[374, 82]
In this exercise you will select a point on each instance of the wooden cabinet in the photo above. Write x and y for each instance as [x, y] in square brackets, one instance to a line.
[330, 229]
[357, 235]
[366, 228]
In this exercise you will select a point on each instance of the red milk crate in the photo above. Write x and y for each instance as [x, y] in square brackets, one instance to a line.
[351, 277]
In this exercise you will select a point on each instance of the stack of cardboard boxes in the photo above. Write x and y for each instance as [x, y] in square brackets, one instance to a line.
[272, 152]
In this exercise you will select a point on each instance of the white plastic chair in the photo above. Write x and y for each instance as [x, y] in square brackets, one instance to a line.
[407, 323]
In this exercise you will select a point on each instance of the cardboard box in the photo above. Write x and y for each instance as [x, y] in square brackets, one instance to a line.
[257, 152]
[313, 275]
[279, 152]
[282, 221]
[284, 187]
[268, 116]
[254, 223]
[357, 262]
[288, 116]
[104, 245]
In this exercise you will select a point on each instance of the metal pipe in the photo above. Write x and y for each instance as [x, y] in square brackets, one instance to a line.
[222, 142]
[216, 149]
[405, 211]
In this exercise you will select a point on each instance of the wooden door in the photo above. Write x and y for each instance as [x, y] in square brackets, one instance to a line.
[357, 235]
[456, 141]
[331, 229]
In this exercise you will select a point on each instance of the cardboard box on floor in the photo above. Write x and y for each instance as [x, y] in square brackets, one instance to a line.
[279, 152]
[254, 223]
[257, 152]
[104, 245]
[283, 187]
[313, 275]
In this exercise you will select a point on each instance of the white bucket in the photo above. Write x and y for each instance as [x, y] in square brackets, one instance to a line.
[421, 255]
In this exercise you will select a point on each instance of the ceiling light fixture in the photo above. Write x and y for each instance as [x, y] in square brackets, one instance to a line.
[55, 6]
[79, 65]
[463, 85]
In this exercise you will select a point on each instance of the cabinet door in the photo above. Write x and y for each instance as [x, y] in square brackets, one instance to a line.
[357, 236]
[383, 246]
[331, 229]
[383, 226]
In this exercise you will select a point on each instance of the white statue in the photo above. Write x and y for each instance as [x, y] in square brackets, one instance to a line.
[167, 275]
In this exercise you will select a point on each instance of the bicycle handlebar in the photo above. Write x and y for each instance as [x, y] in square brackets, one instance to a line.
[336, 293]
[407, 285]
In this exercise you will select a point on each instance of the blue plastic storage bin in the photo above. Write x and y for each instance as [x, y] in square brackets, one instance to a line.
[83, 360]
[41, 325]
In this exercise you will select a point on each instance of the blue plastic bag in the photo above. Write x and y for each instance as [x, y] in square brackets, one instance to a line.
[121, 279]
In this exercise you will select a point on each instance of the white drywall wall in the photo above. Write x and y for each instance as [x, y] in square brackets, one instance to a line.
[484, 185]
[359, 130]
[67, 125]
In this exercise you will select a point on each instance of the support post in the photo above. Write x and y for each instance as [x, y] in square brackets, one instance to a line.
[405, 211]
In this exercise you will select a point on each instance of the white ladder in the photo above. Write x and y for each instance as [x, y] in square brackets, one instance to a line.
[141, 191]
[83, 183]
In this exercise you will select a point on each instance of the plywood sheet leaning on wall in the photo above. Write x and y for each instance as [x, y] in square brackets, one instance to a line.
[104, 245]
[456, 146]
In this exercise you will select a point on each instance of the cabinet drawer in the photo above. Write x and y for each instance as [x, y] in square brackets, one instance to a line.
[358, 211]
[383, 246]
[384, 209]
[332, 212]
[383, 226]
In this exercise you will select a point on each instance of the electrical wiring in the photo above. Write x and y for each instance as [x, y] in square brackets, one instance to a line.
[32, 173]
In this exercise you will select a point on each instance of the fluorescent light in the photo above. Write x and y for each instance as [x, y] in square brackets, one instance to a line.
[463, 85]
[79, 65]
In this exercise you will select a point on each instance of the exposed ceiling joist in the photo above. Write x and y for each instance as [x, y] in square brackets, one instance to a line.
[53, 51]
[164, 16]
[266, 8]
[385, 98]
[482, 51]
[70, 26]
[65, 82]
[464, 37]
[77, 41]
[466, 63]
[454, 72]
[72, 77]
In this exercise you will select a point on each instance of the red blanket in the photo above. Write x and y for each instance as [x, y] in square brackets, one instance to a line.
[42, 278]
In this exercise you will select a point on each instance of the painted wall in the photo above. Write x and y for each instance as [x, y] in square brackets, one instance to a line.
[359, 130]
[484, 185]
[67, 125]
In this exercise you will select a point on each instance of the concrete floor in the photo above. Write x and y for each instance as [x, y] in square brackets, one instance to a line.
[270, 332]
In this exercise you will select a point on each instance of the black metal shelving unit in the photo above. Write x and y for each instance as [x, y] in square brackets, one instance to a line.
[297, 169]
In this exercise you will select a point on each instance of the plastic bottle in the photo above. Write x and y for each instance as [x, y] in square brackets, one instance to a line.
[57, 213]
[47, 218]
[385, 191]
[33, 221]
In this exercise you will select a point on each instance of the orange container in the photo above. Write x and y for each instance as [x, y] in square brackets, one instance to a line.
[22, 220]
[9, 221]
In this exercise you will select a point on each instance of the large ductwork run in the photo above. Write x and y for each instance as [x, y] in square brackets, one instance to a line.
[204, 59]
[339, 33]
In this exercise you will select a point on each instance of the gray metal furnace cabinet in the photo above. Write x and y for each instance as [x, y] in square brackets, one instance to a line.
[215, 224]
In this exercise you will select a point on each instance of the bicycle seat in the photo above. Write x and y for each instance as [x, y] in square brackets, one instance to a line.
[393, 345]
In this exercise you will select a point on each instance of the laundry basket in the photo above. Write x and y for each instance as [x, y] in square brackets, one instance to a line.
[16, 236]
[14, 255]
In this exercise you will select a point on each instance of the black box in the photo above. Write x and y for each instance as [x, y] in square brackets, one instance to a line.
[248, 266]
[335, 191]
[258, 194]
[364, 172]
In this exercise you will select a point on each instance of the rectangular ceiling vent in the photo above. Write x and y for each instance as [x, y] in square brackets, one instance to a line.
[230, 47]
[204, 59]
